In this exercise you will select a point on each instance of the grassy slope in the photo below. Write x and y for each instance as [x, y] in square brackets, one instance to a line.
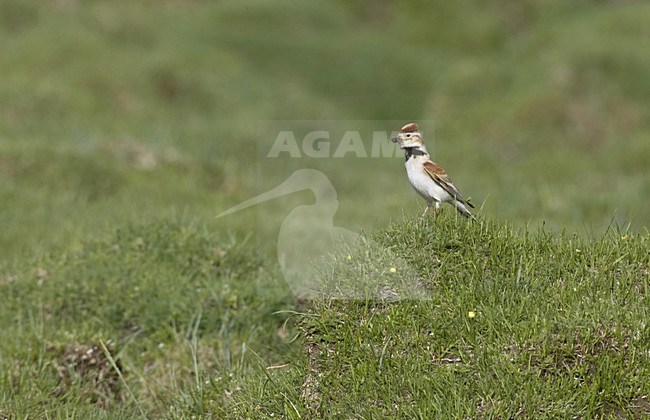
[518, 323]
[113, 116]
[560, 328]
[196, 323]
[176, 306]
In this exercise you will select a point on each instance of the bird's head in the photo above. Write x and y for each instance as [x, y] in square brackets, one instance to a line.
[409, 136]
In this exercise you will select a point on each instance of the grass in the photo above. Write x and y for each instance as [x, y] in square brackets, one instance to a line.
[515, 324]
[125, 128]
[178, 307]
[166, 319]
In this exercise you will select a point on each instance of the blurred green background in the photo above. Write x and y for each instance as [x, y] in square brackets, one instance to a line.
[118, 111]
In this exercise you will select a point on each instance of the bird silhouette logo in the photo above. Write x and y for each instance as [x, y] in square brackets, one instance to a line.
[315, 256]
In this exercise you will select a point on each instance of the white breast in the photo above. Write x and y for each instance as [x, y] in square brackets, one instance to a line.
[422, 182]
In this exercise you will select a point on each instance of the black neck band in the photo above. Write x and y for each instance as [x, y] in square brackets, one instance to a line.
[413, 151]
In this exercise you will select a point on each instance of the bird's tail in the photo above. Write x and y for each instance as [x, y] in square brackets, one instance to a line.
[463, 210]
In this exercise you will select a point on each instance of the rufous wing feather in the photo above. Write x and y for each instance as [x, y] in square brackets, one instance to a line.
[441, 178]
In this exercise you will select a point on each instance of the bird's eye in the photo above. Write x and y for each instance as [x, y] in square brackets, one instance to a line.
[408, 135]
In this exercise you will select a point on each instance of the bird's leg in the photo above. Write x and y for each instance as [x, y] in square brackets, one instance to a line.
[436, 209]
[425, 212]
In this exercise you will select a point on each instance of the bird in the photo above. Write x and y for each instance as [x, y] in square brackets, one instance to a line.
[427, 177]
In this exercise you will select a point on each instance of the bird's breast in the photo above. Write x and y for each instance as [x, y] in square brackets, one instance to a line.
[422, 182]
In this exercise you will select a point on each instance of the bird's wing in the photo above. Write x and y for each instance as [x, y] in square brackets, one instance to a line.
[440, 177]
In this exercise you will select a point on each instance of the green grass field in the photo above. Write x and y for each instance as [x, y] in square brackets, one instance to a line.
[127, 127]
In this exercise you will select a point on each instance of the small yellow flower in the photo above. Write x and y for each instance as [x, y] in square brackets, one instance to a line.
[624, 237]
[471, 314]
[393, 270]
[349, 257]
